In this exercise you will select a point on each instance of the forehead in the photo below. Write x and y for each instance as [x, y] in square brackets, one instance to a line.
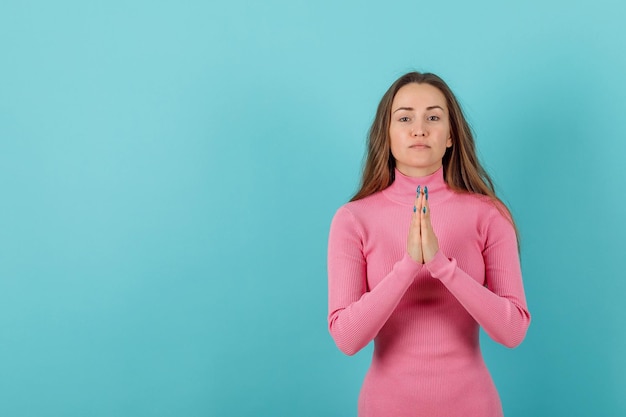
[418, 96]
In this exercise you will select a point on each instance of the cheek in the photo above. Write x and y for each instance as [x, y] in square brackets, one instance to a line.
[394, 142]
[442, 145]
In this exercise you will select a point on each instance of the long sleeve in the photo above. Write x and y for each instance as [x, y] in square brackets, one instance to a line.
[424, 319]
[356, 315]
[500, 306]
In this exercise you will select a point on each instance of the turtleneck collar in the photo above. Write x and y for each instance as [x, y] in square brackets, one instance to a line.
[403, 189]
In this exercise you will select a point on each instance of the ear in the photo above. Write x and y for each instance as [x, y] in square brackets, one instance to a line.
[449, 142]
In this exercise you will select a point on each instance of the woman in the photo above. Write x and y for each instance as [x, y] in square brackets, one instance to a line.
[423, 255]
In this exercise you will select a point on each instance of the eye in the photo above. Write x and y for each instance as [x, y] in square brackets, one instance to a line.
[433, 118]
[403, 119]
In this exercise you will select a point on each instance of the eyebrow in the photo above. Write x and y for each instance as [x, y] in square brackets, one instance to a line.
[411, 108]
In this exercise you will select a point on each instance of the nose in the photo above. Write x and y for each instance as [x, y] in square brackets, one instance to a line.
[417, 128]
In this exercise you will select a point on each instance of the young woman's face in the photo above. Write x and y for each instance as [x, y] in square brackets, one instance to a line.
[420, 129]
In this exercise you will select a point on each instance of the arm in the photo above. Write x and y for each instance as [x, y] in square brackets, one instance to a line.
[356, 315]
[500, 307]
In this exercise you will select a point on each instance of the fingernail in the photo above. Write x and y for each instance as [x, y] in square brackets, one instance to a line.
[426, 192]
[418, 190]
[424, 210]
[414, 209]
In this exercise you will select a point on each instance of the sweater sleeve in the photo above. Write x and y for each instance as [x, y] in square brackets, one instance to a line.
[356, 315]
[500, 305]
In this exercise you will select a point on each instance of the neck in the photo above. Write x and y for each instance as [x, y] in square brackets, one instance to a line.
[403, 190]
[418, 172]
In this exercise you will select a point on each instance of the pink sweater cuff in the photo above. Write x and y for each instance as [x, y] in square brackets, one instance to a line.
[441, 267]
[407, 267]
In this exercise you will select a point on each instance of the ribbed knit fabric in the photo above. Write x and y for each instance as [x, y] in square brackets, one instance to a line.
[424, 319]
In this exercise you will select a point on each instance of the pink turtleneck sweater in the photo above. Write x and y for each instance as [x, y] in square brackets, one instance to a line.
[424, 318]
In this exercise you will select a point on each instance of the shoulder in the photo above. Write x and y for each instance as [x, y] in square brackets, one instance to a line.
[490, 214]
[362, 207]
[495, 221]
[355, 215]
[483, 205]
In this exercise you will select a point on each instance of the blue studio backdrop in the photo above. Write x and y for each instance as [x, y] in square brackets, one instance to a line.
[169, 170]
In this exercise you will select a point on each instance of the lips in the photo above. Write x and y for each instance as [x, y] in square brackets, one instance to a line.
[419, 146]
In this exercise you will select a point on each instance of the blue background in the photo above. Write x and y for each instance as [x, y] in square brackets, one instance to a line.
[169, 170]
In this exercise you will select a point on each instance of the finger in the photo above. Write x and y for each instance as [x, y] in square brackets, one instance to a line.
[430, 245]
[415, 218]
[416, 204]
[414, 241]
[425, 211]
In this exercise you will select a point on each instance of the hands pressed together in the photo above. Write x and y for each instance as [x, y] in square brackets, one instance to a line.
[422, 244]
